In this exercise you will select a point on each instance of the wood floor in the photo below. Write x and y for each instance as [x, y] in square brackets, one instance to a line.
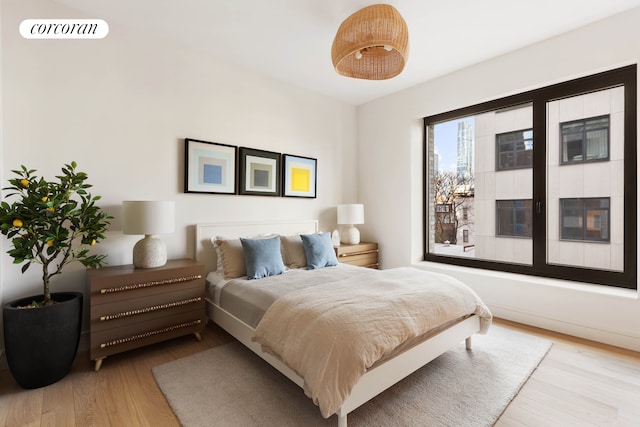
[579, 383]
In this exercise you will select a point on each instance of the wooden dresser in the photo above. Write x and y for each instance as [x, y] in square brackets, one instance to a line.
[363, 254]
[131, 308]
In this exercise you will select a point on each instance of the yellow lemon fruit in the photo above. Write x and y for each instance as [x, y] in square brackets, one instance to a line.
[17, 222]
[24, 182]
[50, 209]
[50, 242]
[45, 198]
[93, 242]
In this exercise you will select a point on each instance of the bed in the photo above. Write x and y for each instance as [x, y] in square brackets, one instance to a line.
[248, 328]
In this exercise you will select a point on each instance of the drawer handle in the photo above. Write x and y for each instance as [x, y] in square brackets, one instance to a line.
[149, 309]
[150, 284]
[150, 333]
[370, 251]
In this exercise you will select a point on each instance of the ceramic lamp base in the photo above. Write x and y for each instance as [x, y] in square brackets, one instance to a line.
[149, 252]
[350, 236]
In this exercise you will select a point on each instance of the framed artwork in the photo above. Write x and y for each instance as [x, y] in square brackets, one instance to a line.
[299, 176]
[209, 167]
[258, 172]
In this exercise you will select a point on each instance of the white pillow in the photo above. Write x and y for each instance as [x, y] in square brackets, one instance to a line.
[293, 251]
[230, 257]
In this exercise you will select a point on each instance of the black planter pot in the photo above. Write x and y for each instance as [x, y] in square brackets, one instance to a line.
[41, 343]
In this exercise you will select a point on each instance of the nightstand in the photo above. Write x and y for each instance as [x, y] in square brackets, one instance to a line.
[131, 308]
[363, 254]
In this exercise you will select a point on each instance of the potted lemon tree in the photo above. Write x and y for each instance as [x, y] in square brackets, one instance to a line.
[51, 223]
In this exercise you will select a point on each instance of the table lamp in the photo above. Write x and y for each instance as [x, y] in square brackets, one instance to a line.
[148, 218]
[349, 215]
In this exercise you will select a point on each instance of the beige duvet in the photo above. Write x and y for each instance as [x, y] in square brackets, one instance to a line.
[331, 334]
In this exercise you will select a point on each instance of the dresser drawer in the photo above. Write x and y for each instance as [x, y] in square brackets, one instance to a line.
[118, 313]
[362, 260]
[105, 289]
[134, 335]
[362, 254]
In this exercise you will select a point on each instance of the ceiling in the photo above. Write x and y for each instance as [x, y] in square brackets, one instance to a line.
[291, 40]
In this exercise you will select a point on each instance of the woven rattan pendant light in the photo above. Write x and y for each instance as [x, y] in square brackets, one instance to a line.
[371, 44]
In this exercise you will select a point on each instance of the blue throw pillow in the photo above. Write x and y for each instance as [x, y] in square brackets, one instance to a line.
[262, 257]
[319, 250]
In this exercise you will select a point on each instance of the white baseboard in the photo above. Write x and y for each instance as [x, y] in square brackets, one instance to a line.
[598, 313]
[599, 335]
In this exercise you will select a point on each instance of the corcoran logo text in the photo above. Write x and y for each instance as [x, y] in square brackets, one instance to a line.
[64, 28]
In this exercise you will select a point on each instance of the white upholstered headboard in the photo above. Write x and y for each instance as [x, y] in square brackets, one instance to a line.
[206, 253]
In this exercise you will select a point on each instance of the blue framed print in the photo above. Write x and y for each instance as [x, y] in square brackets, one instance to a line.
[209, 167]
[299, 176]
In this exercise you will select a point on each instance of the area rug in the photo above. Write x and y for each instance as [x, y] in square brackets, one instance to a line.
[231, 386]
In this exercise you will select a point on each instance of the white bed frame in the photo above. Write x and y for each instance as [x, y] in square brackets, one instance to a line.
[375, 380]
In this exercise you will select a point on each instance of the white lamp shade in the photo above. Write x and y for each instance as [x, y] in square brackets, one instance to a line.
[351, 214]
[148, 217]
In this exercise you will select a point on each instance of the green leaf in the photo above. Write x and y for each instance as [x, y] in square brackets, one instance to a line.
[71, 218]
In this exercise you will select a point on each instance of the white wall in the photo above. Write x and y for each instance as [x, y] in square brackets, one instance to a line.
[121, 107]
[390, 143]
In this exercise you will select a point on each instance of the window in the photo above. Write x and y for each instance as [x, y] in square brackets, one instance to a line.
[513, 218]
[585, 140]
[476, 188]
[585, 219]
[514, 150]
[542, 182]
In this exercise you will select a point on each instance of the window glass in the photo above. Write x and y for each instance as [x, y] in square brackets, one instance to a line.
[585, 140]
[542, 183]
[585, 219]
[466, 182]
[514, 218]
[514, 150]
[585, 209]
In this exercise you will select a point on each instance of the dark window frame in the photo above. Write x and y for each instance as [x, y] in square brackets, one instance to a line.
[624, 76]
[514, 151]
[584, 141]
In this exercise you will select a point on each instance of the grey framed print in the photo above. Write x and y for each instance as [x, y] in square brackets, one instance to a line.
[258, 172]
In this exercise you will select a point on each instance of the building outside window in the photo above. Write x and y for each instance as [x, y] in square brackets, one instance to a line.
[585, 140]
[578, 222]
[584, 219]
[514, 218]
[514, 150]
